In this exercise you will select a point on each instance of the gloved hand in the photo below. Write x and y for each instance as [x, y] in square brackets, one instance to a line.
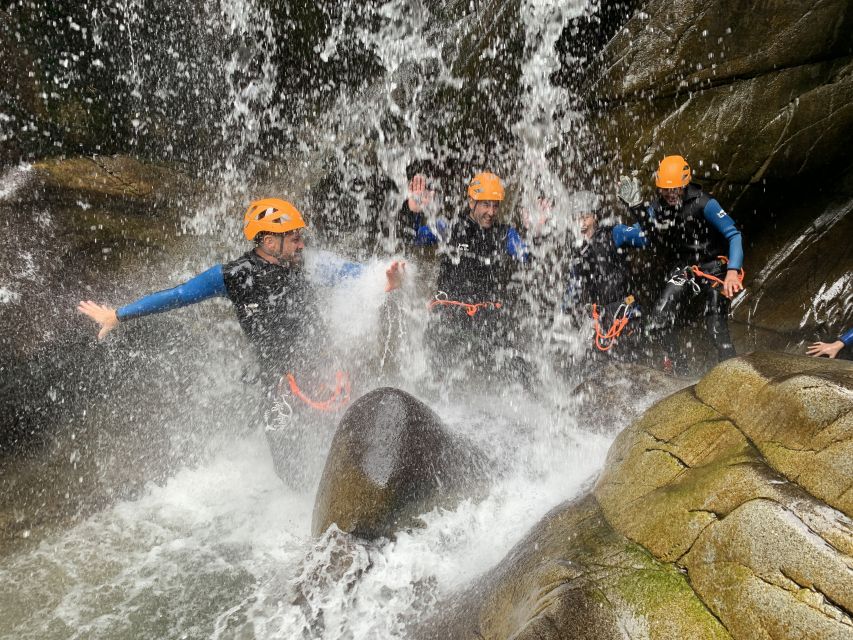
[629, 191]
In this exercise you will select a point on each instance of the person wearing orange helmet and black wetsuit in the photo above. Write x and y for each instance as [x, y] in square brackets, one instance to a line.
[699, 244]
[276, 305]
[469, 317]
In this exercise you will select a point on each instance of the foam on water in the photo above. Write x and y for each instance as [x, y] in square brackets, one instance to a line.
[225, 549]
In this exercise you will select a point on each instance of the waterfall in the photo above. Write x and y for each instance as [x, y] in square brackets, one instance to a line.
[219, 547]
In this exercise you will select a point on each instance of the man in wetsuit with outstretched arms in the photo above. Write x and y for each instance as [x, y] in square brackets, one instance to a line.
[276, 304]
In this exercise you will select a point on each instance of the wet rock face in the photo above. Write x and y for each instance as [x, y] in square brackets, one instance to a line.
[86, 422]
[744, 481]
[574, 576]
[738, 86]
[724, 512]
[391, 459]
[757, 97]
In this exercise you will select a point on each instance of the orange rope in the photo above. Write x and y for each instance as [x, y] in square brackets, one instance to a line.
[605, 341]
[470, 309]
[714, 279]
[338, 398]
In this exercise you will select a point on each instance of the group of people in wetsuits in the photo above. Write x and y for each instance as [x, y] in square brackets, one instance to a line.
[472, 319]
[682, 228]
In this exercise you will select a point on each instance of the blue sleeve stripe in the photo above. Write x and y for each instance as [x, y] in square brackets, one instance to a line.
[205, 285]
[847, 337]
[632, 236]
[722, 222]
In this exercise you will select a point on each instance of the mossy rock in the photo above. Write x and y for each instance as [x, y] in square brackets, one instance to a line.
[735, 481]
[799, 414]
[574, 576]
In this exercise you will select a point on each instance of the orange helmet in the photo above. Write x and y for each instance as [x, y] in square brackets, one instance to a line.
[272, 215]
[672, 173]
[486, 186]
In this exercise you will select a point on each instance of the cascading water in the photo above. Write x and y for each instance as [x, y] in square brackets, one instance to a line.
[221, 548]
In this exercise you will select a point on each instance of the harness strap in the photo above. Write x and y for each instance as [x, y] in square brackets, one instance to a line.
[715, 281]
[470, 308]
[338, 397]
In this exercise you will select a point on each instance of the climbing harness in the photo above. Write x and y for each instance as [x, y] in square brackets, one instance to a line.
[623, 314]
[689, 275]
[470, 308]
[337, 398]
[715, 281]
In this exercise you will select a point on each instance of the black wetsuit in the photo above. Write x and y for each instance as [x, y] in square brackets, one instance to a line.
[598, 273]
[693, 234]
[475, 268]
[598, 276]
[278, 310]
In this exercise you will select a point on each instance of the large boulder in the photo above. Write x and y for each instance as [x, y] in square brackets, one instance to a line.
[723, 512]
[392, 459]
[574, 576]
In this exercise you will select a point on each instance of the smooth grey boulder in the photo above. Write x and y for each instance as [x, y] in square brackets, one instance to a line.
[392, 459]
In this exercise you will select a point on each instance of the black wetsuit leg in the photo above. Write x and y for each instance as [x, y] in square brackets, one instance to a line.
[717, 324]
[662, 319]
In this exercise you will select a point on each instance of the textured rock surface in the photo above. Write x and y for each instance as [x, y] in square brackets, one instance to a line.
[573, 576]
[738, 87]
[735, 480]
[723, 512]
[391, 459]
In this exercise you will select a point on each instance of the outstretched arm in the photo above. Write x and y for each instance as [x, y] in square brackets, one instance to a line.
[829, 349]
[205, 285]
[632, 236]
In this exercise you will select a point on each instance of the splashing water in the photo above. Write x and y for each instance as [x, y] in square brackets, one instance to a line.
[222, 549]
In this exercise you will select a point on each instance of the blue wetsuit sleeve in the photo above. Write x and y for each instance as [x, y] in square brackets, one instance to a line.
[632, 236]
[425, 237]
[443, 228]
[331, 273]
[847, 338]
[515, 245]
[205, 285]
[722, 222]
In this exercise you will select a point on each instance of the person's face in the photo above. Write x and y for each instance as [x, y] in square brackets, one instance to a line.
[484, 212]
[587, 224]
[286, 247]
[672, 197]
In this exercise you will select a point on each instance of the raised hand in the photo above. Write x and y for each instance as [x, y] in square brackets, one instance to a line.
[105, 316]
[629, 192]
[419, 195]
